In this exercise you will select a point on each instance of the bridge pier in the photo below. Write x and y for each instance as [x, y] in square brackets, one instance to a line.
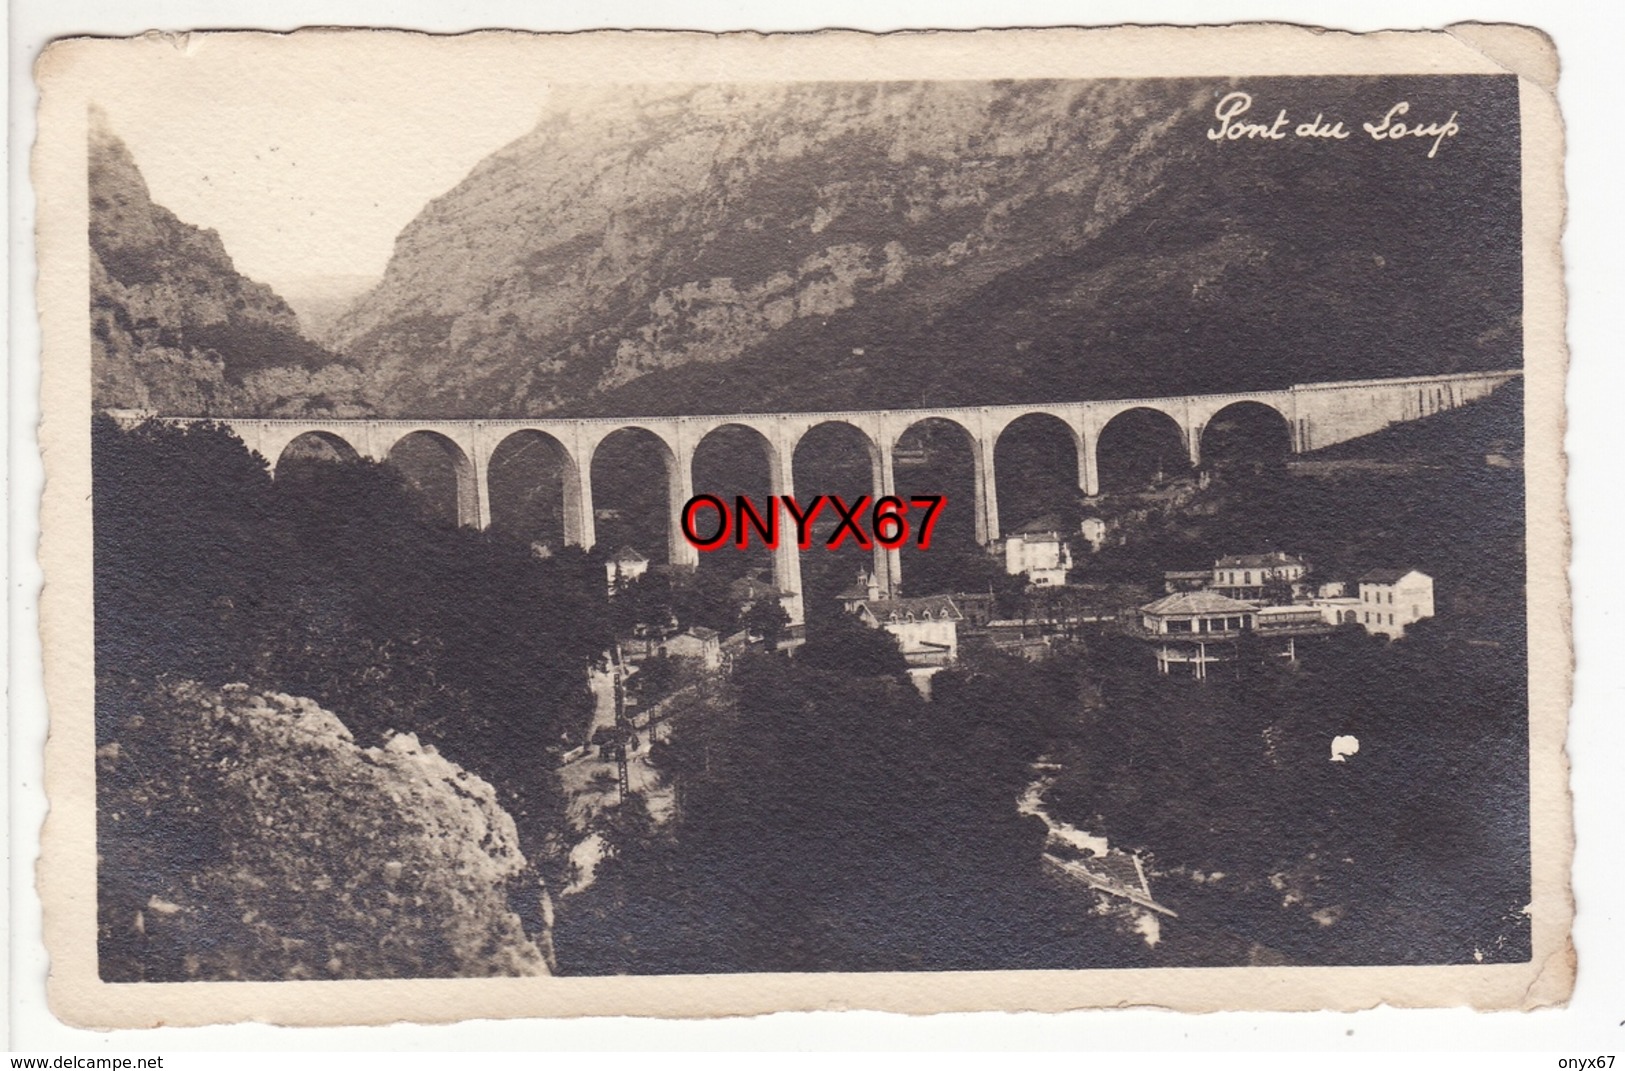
[479, 461]
[1089, 460]
[373, 444]
[679, 488]
[888, 561]
[787, 555]
[579, 529]
[987, 489]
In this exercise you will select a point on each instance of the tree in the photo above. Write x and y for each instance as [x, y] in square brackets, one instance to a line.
[766, 618]
[330, 583]
[1277, 591]
[841, 643]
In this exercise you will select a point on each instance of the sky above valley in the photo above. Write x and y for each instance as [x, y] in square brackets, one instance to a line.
[309, 167]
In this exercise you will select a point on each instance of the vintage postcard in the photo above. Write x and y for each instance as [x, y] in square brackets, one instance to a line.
[688, 525]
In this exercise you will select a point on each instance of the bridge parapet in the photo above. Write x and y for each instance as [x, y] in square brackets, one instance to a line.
[1496, 377]
[1331, 413]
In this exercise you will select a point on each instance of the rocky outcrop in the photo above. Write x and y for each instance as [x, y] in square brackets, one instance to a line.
[811, 245]
[245, 835]
[175, 327]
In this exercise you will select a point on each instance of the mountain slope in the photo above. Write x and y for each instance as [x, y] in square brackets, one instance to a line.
[834, 245]
[174, 326]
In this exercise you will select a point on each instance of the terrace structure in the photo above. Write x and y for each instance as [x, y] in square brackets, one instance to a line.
[1199, 629]
[1195, 629]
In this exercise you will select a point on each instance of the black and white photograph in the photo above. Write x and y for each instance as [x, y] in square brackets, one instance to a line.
[540, 522]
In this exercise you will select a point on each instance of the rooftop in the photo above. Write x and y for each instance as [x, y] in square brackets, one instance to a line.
[1291, 610]
[1391, 576]
[1048, 524]
[1196, 602]
[627, 554]
[940, 607]
[1271, 560]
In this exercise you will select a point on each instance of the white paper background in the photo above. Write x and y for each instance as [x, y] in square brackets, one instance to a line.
[1589, 40]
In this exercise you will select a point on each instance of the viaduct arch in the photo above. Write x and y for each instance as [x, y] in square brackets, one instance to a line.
[1316, 414]
[1227, 432]
[538, 462]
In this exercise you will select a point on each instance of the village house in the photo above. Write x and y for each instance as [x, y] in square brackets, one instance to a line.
[697, 642]
[1245, 576]
[1038, 549]
[1391, 599]
[1203, 615]
[977, 607]
[926, 627]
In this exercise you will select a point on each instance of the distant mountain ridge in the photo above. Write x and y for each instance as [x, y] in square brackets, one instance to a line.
[176, 328]
[319, 300]
[844, 245]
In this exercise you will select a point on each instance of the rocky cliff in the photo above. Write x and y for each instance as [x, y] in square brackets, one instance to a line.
[246, 836]
[832, 245]
[175, 327]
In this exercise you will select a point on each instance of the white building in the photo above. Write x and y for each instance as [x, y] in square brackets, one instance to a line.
[1093, 530]
[927, 628]
[1337, 609]
[1195, 629]
[626, 566]
[1198, 629]
[1038, 549]
[1391, 599]
[1244, 576]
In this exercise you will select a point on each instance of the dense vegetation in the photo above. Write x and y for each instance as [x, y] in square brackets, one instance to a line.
[831, 819]
[1414, 850]
[333, 582]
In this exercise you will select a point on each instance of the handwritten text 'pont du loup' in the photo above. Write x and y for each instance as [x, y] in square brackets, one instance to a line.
[1391, 127]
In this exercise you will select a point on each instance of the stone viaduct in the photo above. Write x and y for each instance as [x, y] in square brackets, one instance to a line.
[1315, 415]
